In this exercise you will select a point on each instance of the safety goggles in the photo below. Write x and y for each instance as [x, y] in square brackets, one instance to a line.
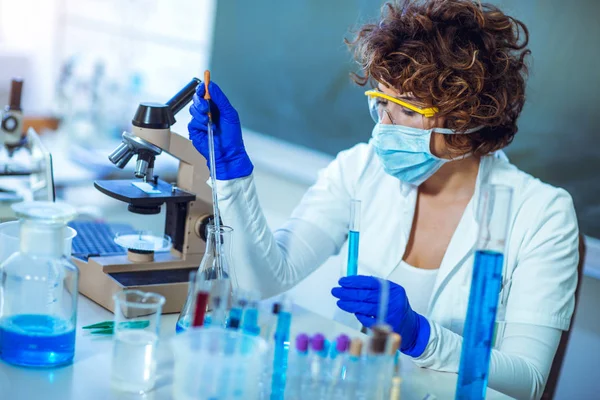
[378, 107]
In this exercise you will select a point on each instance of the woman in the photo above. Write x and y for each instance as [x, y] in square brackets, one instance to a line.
[449, 86]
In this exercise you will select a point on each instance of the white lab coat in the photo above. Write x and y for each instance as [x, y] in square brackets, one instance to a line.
[542, 246]
[540, 259]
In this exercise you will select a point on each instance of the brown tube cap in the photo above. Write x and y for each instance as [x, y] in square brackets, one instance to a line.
[356, 347]
[379, 340]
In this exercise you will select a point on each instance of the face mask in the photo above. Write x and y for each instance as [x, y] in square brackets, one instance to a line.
[404, 151]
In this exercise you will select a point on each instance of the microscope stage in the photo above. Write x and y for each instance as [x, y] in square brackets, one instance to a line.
[126, 191]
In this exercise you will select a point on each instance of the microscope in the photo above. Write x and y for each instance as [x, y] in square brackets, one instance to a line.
[25, 163]
[11, 121]
[188, 209]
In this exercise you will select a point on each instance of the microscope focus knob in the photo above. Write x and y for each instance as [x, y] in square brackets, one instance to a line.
[153, 116]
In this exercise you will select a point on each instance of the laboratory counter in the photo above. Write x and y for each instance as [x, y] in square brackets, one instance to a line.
[88, 377]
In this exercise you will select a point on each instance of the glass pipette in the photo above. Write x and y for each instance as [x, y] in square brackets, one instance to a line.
[213, 179]
[353, 238]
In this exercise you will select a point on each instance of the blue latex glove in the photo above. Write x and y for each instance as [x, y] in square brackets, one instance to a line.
[231, 159]
[359, 294]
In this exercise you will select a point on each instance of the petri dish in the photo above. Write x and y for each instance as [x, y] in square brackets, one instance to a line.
[143, 241]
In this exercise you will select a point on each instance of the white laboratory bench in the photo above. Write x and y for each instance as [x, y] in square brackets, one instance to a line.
[88, 377]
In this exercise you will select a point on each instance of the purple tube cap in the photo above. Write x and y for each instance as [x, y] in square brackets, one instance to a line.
[302, 342]
[342, 343]
[317, 343]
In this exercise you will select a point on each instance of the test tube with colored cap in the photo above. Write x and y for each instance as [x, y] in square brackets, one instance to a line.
[280, 351]
[302, 341]
[297, 368]
[377, 370]
[353, 369]
[342, 344]
[338, 369]
[318, 367]
[353, 238]
[356, 346]
[317, 343]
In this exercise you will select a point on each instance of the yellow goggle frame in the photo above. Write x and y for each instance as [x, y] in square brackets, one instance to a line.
[427, 112]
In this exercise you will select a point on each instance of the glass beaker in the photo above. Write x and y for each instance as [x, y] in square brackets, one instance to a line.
[218, 281]
[39, 290]
[137, 325]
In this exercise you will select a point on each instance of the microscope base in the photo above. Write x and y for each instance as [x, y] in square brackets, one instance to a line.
[168, 275]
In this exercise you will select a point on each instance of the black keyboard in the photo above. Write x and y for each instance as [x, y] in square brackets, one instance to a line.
[96, 239]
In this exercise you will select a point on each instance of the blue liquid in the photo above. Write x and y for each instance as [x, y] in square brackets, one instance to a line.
[479, 325]
[36, 341]
[182, 325]
[250, 322]
[235, 316]
[280, 357]
[353, 237]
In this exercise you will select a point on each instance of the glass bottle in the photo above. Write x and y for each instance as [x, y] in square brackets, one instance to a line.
[211, 281]
[39, 290]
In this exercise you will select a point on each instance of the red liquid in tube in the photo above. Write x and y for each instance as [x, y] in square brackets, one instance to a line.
[200, 311]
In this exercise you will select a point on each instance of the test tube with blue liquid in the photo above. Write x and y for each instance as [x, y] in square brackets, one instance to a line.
[478, 336]
[240, 300]
[250, 324]
[353, 238]
[280, 351]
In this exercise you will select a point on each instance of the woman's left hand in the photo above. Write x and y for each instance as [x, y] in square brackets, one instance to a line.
[360, 295]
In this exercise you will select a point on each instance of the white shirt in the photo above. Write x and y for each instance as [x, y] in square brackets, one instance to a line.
[541, 256]
[418, 284]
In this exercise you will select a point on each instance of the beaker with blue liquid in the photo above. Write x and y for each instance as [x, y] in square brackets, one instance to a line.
[39, 290]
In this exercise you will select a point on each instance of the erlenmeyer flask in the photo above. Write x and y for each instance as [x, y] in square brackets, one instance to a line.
[210, 280]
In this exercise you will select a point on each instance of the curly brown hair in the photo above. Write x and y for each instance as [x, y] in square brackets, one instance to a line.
[461, 56]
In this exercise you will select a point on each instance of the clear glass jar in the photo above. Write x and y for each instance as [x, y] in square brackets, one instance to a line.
[217, 285]
[39, 288]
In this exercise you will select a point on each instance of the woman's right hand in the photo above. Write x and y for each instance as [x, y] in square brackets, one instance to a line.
[231, 159]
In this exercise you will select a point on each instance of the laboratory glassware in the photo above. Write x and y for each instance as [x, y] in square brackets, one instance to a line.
[250, 324]
[39, 290]
[240, 301]
[194, 310]
[136, 329]
[214, 362]
[353, 238]
[10, 237]
[280, 350]
[213, 177]
[478, 333]
[222, 277]
[298, 366]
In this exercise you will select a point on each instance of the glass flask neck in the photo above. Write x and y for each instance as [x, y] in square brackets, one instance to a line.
[41, 239]
[211, 243]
